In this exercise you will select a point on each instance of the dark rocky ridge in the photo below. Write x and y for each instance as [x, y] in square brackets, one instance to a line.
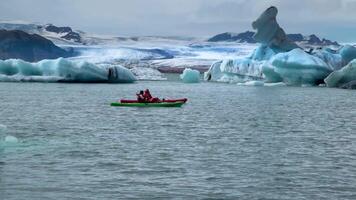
[247, 37]
[28, 47]
[69, 33]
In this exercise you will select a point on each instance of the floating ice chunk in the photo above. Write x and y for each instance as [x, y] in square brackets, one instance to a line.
[278, 84]
[252, 83]
[63, 70]
[3, 128]
[342, 77]
[296, 68]
[190, 76]
[11, 139]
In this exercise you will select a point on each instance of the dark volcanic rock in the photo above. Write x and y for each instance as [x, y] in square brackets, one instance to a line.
[55, 29]
[230, 37]
[69, 33]
[73, 36]
[28, 47]
[248, 37]
[295, 37]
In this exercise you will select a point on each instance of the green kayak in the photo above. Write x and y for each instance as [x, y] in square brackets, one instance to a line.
[162, 104]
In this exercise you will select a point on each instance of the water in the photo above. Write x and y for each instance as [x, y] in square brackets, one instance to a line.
[228, 142]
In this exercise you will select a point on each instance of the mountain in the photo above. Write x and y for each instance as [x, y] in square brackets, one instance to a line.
[247, 37]
[57, 34]
[28, 47]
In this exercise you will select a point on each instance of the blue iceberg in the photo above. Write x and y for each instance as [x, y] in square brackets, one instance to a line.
[343, 78]
[63, 70]
[190, 76]
[278, 59]
[296, 68]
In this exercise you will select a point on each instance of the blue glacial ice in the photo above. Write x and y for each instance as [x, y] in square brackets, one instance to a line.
[344, 78]
[269, 32]
[63, 70]
[279, 60]
[190, 76]
[296, 68]
[347, 53]
[6, 140]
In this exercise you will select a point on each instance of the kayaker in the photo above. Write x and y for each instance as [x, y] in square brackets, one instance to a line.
[148, 97]
[140, 97]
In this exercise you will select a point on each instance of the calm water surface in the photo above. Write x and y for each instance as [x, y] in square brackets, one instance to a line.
[228, 142]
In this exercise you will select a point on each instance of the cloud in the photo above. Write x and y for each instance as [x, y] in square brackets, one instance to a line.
[187, 17]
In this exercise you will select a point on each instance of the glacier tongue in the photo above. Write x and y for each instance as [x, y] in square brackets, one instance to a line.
[63, 70]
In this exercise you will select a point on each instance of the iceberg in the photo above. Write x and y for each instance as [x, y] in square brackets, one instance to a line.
[273, 41]
[190, 76]
[252, 83]
[331, 58]
[348, 53]
[343, 78]
[278, 59]
[63, 70]
[296, 68]
[269, 32]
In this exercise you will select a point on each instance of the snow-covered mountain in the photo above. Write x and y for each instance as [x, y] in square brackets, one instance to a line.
[247, 37]
[67, 36]
[28, 47]
[59, 35]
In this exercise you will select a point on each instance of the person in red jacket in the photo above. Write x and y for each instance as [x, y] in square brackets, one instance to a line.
[148, 97]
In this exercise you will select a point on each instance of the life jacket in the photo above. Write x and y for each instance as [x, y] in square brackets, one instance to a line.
[147, 95]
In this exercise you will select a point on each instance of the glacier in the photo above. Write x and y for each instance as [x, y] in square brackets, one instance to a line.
[190, 76]
[63, 70]
[278, 59]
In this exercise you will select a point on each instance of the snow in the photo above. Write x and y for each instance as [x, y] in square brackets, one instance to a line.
[343, 76]
[296, 68]
[190, 76]
[63, 70]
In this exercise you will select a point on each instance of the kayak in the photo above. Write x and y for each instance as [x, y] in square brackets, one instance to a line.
[164, 100]
[161, 104]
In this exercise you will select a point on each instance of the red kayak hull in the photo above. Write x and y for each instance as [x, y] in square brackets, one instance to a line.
[166, 100]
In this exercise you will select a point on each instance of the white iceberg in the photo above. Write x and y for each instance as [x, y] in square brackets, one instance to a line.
[190, 76]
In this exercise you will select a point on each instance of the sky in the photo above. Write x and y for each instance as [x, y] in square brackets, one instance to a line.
[333, 19]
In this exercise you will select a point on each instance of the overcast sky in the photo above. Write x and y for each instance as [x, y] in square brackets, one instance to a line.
[334, 19]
